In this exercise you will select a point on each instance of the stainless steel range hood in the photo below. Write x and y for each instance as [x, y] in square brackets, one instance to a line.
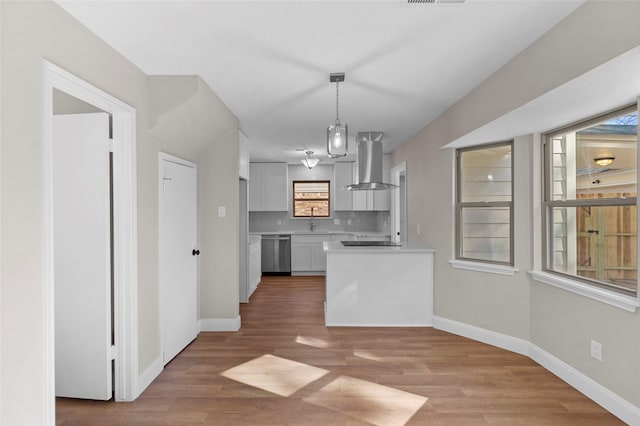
[369, 163]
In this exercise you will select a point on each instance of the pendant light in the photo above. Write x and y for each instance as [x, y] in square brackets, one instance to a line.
[337, 134]
[310, 162]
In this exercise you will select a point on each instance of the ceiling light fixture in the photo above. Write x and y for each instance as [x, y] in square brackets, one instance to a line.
[604, 161]
[337, 133]
[310, 162]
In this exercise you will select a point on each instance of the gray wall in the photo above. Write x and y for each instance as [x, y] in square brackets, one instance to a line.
[29, 33]
[560, 323]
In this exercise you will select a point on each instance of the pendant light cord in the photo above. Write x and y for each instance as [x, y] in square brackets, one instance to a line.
[337, 102]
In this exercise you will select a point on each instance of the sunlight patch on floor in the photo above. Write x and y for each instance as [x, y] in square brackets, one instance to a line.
[366, 355]
[377, 404]
[274, 374]
[313, 342]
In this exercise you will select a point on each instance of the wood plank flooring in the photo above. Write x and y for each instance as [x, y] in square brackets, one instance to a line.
[284, 367]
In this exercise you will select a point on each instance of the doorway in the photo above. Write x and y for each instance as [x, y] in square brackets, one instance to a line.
[124, 231]
[178, 254]
[399, 203]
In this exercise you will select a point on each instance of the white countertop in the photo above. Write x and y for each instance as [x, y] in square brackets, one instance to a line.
[410, 247]
[356, 233]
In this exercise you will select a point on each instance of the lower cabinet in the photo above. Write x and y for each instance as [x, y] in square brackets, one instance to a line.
[255, 263]
[307, 254]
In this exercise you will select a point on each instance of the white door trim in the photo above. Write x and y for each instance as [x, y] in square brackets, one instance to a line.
[124, 229]
[395, 200]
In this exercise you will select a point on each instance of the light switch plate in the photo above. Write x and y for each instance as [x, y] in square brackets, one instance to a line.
[596, 350]
[222, 211]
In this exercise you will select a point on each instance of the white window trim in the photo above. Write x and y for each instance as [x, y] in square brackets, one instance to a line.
[574, 286]
[609, 297]
[491, 268]
[478, 264]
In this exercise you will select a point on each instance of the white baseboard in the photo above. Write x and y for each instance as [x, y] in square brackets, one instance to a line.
[503, 341]
[148, 376]
[612, 402]
[220, 324]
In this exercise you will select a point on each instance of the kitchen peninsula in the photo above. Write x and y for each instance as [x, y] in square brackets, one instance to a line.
[381, 286]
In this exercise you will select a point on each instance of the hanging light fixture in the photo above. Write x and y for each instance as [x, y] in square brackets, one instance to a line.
[337, 133]
[310, 162]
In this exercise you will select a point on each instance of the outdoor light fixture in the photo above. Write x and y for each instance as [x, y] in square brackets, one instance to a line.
[604, 161]
[337, 133]
[310, 162]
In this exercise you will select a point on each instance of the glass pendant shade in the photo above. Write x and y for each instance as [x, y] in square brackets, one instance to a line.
[310, 162]
[337, 135]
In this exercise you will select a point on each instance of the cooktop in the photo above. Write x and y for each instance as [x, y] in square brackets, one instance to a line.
[369, 244]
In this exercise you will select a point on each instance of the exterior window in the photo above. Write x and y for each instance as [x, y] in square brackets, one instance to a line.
[484, 204]
[311, 198]
[590, 201]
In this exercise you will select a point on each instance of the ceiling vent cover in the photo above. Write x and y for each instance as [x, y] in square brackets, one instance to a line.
[435, 1]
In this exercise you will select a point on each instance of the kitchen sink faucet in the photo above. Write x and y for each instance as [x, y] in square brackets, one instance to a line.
[311, 224]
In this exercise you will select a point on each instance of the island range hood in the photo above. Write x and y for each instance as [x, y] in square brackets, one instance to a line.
[369, 146]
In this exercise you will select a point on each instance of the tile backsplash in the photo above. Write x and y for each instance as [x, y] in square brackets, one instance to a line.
[348, 221]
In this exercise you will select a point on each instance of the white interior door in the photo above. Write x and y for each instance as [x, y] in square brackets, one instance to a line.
[399, 203]
[82, 256]
[178, 257]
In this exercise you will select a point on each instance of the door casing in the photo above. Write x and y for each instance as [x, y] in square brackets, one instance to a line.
[396, 208]
[124, 230]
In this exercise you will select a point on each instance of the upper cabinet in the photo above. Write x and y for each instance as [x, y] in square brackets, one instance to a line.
[268, 187]
[243, 155]
[344, 173]
[342, 176]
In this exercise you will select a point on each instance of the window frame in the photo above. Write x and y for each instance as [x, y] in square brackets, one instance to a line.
[548, 204]
[460, 205]
[293, 198]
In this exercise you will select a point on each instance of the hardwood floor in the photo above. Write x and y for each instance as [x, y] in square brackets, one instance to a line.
[284, 367]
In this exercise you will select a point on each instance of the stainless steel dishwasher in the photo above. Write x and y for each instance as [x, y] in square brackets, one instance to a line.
[276, 254]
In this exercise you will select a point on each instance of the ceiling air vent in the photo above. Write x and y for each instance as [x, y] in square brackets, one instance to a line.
[435, 1]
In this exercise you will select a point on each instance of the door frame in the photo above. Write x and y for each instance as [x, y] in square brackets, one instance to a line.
[125, 261]
[163, 156]
[395, 200]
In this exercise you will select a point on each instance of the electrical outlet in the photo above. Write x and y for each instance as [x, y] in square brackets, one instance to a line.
[279, 222]
[596, 350]
[222, 211]
[336, 221]
[418, 230]
[349, 221]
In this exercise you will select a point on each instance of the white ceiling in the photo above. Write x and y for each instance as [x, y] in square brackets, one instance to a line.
[270, 61]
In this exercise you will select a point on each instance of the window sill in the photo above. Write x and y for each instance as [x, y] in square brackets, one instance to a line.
[309, 217]
[621, 301]
[483, 267]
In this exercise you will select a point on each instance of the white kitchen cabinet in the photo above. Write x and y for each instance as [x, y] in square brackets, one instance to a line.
[307, 255]
[255, 261]
[243, 156]
[268, 187]
[342, 176]
[318, 257]
[300, 256]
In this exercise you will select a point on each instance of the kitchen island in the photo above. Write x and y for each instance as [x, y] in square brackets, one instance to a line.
[379, 286]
